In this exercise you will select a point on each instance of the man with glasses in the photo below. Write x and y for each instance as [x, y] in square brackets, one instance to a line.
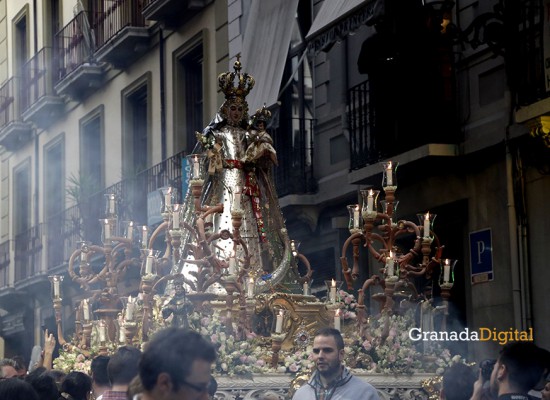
[176, 365]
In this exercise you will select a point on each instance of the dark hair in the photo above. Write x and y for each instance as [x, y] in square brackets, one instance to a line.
[123, 365]
[335, 333]
[98, 370]
[20, 363]
[17, 389]
[76, 384]
[173, 351]
[458, 382]
[524, 363]
[43, 383]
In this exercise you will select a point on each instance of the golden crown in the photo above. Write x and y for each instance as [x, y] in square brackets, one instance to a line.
[262, 114]
[236, 90]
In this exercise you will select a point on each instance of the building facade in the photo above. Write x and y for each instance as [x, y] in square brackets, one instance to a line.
[105, 96]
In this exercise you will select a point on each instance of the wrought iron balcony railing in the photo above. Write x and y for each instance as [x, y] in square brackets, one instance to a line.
[28, 253]
[76, 43]
[116, 15]
[10, 101]
[39, 74]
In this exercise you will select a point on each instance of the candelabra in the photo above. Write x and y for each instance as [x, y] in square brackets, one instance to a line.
[399, 269]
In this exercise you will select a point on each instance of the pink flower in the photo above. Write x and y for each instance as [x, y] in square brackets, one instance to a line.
[214, 338]
[367, 345]
[347, 300]
[250, 335]
[205, 321]
[293, 367]
[260, 362]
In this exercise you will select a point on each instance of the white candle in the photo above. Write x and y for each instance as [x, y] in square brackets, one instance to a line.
[56, 288]
[130, 233]
[356, 217]
[144, 236]
[279, 324]
[427, 225]
[111, 204]
[333, 292]
[389, 175]
[447, 271]
[84, 256]
[129, 309]
[168, 197]
[231, 265]
[107, 230]
[306, 289]
[149, 265]
[250, 288]
[370, 201]
[102, 333]
[122, 334]
[237, 200]
[337, 319]
[390, 264]
[176, 218]
[86, 309]
[196, 174]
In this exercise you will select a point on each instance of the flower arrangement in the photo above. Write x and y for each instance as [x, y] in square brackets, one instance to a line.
[349, 304]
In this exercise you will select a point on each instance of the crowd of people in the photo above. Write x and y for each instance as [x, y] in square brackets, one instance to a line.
[177, 364]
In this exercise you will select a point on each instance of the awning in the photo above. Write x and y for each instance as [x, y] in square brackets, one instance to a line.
[338, 18]
[265, 48]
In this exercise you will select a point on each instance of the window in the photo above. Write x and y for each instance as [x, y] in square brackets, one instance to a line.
[188, 104]
[20, 37]
[90, 175]
[136, 121]
[22, 198]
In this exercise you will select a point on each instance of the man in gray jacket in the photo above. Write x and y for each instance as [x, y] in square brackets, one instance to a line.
[331, 380]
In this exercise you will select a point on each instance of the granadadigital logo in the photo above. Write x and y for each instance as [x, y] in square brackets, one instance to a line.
[481, 335]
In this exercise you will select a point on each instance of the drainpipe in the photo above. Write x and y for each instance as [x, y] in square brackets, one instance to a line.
[162, 96]
[517, 295]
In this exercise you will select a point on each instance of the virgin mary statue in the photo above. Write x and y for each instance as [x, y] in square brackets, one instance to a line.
[238, 182]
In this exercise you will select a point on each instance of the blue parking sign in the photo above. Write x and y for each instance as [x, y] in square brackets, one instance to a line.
[481, 256]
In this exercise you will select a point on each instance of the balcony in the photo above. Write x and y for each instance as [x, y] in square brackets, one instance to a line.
[122, 34]
[412, 134]
[79, 74]
[40, 103]
[28, 256]
[173, 13]
[14, 132]
[294, 175]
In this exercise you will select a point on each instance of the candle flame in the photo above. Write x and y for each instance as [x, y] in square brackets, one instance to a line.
[333, 283]
[371, 192]
[281, 313]
[337, 314]
[427, 216]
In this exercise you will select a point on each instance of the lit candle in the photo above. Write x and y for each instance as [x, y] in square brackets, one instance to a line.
[168, 198]
[337, 319]
[149, 264]
[111, 204]
[130, 233]
[102, 333]
[389, 175]
[107, 230]
[390, 265]
[250, 288]
[447, 271]
[356, 217]
[237, 199]
[279, 324]
[144, 236]
[333, 291]
[427, 225]
[84, 256]
[129, 309]
[196, 174]
[306, 289]
[86, 309]
[56, 288]
[370, 200]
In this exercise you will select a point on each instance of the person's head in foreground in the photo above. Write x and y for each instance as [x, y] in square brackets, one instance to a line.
[458, 382]
[176, 365]
[517, 370]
